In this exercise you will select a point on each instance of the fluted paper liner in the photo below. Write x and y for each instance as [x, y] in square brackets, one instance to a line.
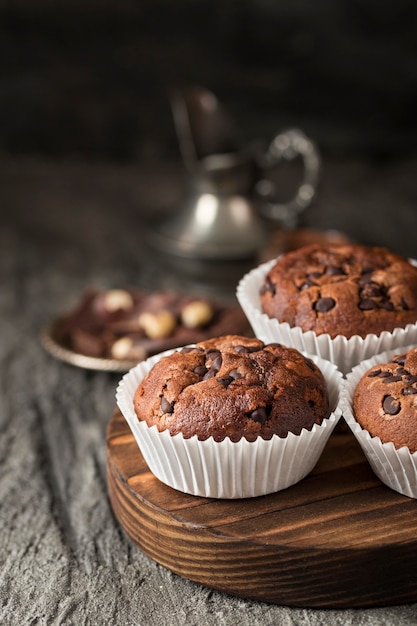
[395, 468]
[225, 469]
[345, 353]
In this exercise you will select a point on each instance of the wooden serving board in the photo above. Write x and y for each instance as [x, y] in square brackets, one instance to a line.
[337, 539]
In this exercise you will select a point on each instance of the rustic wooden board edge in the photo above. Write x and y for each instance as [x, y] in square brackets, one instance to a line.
[308, 577]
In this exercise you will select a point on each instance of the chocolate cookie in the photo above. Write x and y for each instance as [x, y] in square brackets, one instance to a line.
[131, 324]
[341, 290]
[233, 387]
[385, 401]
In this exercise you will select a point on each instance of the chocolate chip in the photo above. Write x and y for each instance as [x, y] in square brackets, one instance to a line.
[392, 379]
[408, 391]
[308, 283]
[371, 290]
[216, 359]
[210, 373]
[225, 380]
[391, 405]
[268, 287]
[374, 373]
[404, 305]
[387, 305]
[247, 349]
[324, 305]
[200, 370]
[367, 304]
[217, 362]
[259, 415]
[311, 280]
[410, 378]
[235, 374]
[166, 406]
[400, 359]
[365, 277]
[187, 349]
[314, 275]
[333, 270]
[384, 374]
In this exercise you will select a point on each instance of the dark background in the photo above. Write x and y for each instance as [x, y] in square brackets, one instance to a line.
[92, 78]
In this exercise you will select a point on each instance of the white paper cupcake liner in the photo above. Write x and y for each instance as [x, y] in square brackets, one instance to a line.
[395, 468]
[225, 469]
[343, 352]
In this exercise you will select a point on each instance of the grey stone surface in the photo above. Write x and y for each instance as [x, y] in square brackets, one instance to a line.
[64, 559]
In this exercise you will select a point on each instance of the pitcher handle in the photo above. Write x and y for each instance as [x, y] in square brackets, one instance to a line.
[288, 144]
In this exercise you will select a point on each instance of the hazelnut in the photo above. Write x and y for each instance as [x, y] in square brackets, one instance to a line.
[126, 348]
[116, 299]
[159, 324]
[121, 348]
[196, 313]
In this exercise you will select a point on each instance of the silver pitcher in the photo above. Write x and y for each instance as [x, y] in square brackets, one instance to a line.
[232, 197]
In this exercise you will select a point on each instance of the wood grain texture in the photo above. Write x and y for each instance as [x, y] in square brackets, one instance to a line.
[337, 539]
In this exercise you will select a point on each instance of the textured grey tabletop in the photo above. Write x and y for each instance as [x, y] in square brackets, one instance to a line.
[64, 559]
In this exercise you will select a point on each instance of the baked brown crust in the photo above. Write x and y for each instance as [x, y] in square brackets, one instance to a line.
[385, 401]
[341, 290]
[234, 387]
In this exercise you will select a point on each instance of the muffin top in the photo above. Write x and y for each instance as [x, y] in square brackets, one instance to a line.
[341, 290]
[235, 387]
[385, 401]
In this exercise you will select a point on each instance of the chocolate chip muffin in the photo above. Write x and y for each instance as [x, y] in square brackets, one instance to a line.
[341, 290]
[130, 324]
[234, 387]
[385, 401]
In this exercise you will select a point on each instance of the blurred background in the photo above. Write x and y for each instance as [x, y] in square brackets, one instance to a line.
[92, 77]
[86, 120]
